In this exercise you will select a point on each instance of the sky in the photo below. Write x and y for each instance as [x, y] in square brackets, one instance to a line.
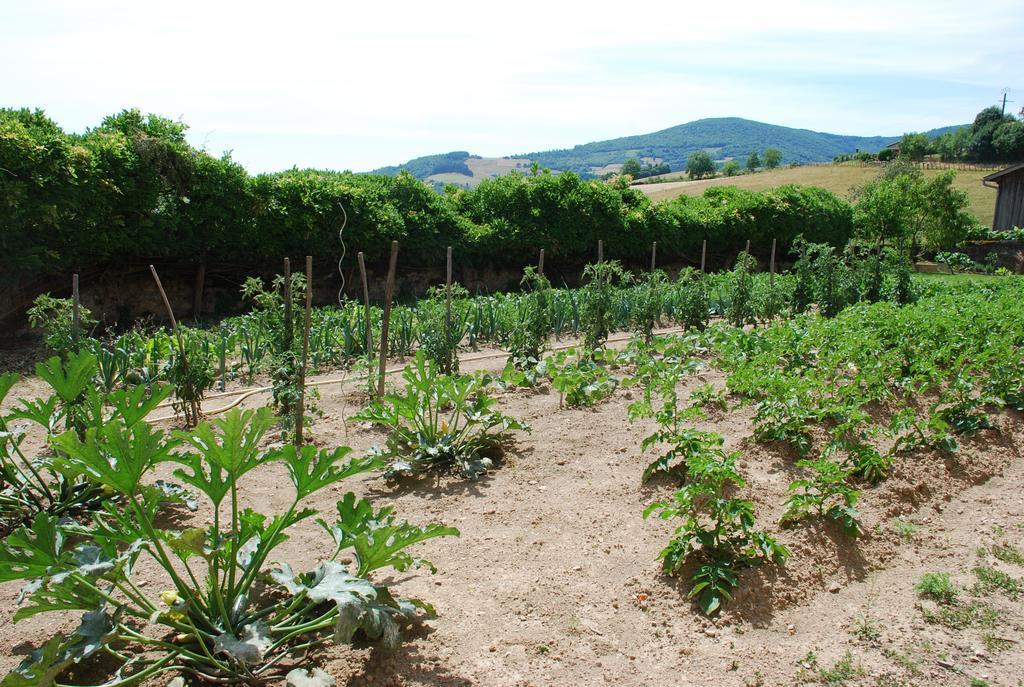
[344, 85]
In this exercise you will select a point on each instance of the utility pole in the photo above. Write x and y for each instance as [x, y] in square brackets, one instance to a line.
[1005, 92]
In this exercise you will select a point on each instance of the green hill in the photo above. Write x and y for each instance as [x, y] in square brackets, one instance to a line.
[722, 137]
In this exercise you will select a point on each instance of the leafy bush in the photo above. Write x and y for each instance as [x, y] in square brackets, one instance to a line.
[597, 300]
[439, 334]
[692, 308]
[440, 423]
[527, 340]
[741, 291]
[55, 316]
[219, 617]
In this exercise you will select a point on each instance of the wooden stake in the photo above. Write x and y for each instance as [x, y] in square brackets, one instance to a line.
[193, 405]
[366, 302]
[771, 278]
[76, 317]
[448, 297]
[389, 288]
[540, 263]
[654, 252]
[287, 305]
[703, 255]
[300, 409]
[600, 250]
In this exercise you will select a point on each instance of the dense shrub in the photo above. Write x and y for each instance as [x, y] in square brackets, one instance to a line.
[133, 188]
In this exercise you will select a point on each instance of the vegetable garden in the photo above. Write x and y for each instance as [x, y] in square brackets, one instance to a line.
[688, 456]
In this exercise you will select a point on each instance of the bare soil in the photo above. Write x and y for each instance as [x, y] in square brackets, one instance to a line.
[554, 580]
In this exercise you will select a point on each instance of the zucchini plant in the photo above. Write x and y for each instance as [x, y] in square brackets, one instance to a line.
[440, 423]
[217, 615]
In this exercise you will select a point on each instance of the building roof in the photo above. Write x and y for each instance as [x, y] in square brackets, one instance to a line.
[995, 176]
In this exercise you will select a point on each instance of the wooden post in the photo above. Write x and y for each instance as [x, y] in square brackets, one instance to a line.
[654, 252]
[448, 298]
[389, 288]
[747, 249]
[771, 278]
[703, 255]
[193, 405]
[287, 305]
[540, 263]
[300, 409]
[600, 250]
[366, 302]
[76, 317]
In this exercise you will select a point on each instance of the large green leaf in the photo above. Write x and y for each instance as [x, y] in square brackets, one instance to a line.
[311, 469]
[33, 551]
[378, 539]
[115, 455]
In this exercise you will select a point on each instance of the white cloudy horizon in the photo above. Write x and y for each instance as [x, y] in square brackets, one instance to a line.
[329, 85]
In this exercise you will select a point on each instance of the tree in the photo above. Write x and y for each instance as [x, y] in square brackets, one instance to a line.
[1008, 141]
[632, 167]
[731, 168]
[753, 162]
[914, 146]
[943, 220]
[700, 165]
[772, 158]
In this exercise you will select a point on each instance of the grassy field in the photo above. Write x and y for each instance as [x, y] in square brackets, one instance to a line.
[836, 178]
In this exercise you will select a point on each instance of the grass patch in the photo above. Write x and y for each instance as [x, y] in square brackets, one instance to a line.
[962, 616]
[995, 643]
[1008, 553]
[844, 669]
[937, 586]
[992, 580]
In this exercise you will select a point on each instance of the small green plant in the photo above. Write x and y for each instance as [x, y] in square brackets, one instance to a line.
[717, 531]
[55, 317]
[825, 494]
[581, 380]
[905, 530]
[191, 376]
[866, 630]
[937, 587]
[960, 616]
[440, 423]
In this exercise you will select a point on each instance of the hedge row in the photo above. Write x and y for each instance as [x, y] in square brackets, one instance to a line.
[133, 188]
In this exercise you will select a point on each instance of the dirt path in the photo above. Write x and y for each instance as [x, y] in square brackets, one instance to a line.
[554, 579]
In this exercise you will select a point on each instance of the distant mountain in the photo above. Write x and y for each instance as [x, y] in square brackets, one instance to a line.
[722, 137]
